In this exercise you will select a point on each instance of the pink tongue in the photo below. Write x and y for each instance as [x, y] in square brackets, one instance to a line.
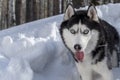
[79, 56]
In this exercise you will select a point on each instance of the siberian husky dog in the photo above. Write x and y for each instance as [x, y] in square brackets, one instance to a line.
[92, 41]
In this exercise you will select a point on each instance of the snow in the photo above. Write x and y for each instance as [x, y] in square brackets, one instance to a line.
[35, 51]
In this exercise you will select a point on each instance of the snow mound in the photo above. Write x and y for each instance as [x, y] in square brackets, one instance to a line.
[16, 69]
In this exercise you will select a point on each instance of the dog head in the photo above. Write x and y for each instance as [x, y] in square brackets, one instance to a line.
[80, 30]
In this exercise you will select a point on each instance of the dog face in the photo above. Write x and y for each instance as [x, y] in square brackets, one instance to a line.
[80, 31]
[79, 36]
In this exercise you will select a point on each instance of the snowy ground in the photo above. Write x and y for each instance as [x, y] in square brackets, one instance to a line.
[34, 51]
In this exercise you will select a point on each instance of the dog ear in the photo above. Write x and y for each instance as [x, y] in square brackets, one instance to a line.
[69, 12]
[92, 13]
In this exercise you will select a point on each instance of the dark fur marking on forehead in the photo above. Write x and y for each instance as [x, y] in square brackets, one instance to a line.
[81, 16]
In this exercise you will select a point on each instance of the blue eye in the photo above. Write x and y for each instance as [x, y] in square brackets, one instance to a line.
[72, 31]
[85, 32]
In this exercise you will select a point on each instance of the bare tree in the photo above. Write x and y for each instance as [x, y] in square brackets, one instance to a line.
[0, 12]
[116, 1]
[50, 7]
[86, 2]
[46, 8]
[23, 12]
[11, 11]
[42, 15]
[18, 11]
[4, 14]
[36, 9]
[78, 3]
[56, 7]
[64, 5]
[15, 12]
[29, 10]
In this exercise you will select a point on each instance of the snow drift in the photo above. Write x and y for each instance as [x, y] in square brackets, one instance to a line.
[34, 51]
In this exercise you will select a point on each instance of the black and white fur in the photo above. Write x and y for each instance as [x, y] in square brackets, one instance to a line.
[100, 44]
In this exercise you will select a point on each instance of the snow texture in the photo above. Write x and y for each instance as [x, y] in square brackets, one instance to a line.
[34, 51]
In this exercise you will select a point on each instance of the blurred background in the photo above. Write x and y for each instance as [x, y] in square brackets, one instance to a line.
[16, 12]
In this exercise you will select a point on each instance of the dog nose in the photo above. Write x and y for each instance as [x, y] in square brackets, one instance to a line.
[77, 47]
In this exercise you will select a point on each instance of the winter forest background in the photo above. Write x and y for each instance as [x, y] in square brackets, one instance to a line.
[16, 12]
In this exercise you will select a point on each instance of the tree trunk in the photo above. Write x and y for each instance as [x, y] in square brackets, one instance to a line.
[4, 14]
[23, 12]
[18, 11]
[0, 14]
[86, 2]
[46, 8]
[116, 1]
[64, 5]
[36, 9]
[11, 11]
[42, 8]
[29, 10]
[78, 3]
[56, 7]
[50, 7]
